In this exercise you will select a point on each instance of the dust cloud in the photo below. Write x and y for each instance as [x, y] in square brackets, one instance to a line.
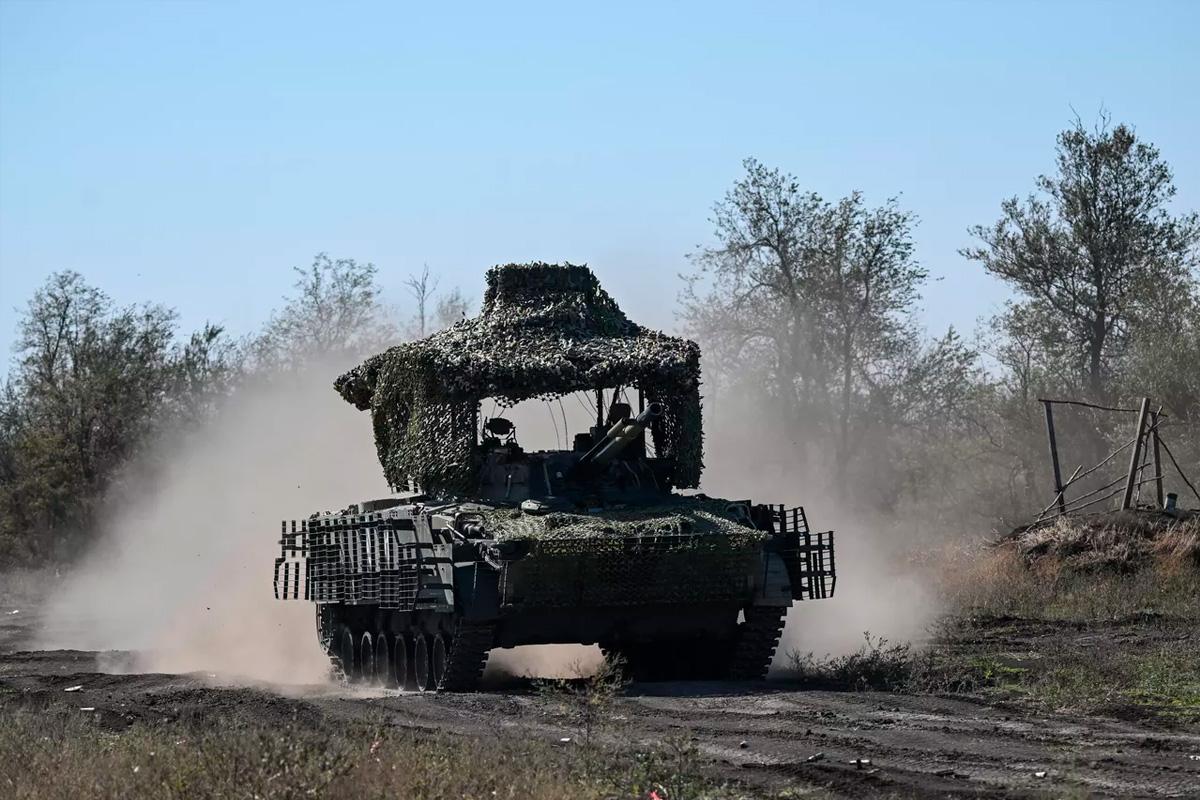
[544, 661]
[182, 575]
[878, 589]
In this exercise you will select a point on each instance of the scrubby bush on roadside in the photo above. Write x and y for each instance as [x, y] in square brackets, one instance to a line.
[878, 665]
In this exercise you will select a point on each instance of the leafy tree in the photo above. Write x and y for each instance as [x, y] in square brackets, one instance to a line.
[91, 383]
[1094, 251]
[817, 298]
[88, 382]
[206, 368]
[94, 373]
[336, 313]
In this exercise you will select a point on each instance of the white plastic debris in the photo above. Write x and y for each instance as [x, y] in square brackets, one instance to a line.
[815, 757]
[74, 688]
[1039, 774]
[565, 740]
[15, 611]
[87, 708]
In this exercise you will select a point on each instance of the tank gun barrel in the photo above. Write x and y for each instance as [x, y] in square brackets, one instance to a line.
[618, 438]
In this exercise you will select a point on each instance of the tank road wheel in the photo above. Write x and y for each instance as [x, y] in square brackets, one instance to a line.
[384, 674]
[421, 666]
[366, 658]
[755, 642]
[400, 661]
[345, 652]
[437, 660]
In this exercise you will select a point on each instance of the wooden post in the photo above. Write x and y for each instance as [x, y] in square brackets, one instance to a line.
[1158, 475]
[1058, 487]
[599, 408]
[1135, 458]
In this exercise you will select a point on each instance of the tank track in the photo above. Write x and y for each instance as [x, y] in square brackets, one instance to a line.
[466, 656]
[757, 638]
[327, 628]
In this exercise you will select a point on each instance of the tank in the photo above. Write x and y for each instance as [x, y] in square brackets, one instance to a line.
[486, 544]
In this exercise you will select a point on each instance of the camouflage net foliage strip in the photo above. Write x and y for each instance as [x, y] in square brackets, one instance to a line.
[546, 330]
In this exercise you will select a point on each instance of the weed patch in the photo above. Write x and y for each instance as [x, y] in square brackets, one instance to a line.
[878, 665]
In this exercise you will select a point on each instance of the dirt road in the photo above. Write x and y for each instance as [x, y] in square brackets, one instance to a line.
[922, 746]
[767, 735]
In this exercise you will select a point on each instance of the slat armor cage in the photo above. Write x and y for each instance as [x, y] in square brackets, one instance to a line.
[807, 555]
[381, 558]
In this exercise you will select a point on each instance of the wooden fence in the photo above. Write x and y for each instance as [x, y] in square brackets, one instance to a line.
[1146, 447]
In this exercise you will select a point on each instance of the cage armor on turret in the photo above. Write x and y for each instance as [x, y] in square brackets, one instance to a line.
[492, 545]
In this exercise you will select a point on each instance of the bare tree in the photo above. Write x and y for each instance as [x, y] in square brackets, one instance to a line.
[422, 288]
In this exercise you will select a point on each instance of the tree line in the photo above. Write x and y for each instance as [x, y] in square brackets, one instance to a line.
[807, 312]
[92, 384]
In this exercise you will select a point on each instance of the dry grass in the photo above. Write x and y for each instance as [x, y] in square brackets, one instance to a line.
[66, 754]
[1179, 548]
[1103, 567]
[1097, 614]
[1123, 541]
[1000, 584]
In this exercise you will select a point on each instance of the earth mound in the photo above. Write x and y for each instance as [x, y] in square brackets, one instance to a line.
[1120, 541]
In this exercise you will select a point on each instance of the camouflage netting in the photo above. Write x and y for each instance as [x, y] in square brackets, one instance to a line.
[689, 549]
[707, 518]
[545, 330]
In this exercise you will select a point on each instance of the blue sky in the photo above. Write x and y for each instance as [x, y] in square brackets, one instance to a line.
[190, 154]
